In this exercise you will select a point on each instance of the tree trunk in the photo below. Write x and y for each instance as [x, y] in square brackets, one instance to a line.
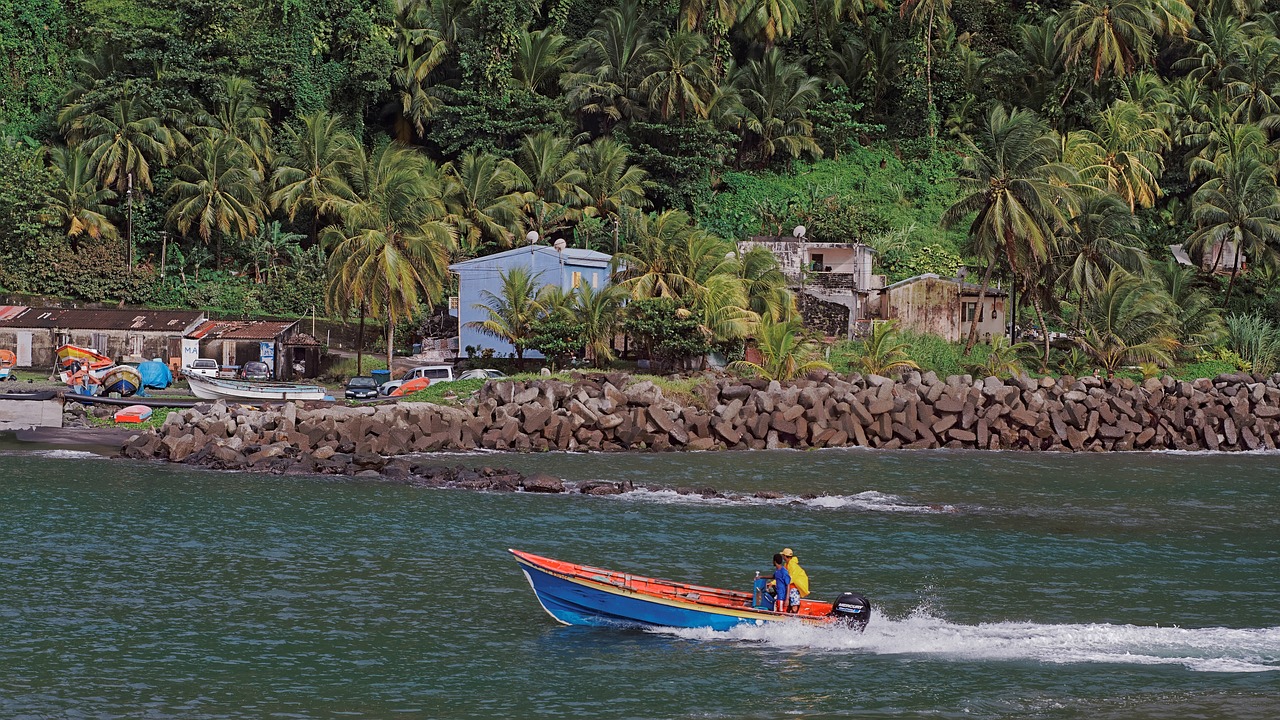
[360, 343]
[982, 297]
[928, 78]
[1044, 329]
[391, 339]
[1235, 268]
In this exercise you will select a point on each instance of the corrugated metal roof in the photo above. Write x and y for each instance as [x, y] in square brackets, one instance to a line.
[570, 256]
[99, 319]
[11, 311]
[241, 329]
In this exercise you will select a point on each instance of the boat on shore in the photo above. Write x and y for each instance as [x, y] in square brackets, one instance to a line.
[576, 594]
[124, 380]
[29, 395]
[208, 388]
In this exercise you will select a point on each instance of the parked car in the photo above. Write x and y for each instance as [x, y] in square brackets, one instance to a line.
[203, 366]
[362, 388]
[482, 374]
[434, 373]
[254, 370]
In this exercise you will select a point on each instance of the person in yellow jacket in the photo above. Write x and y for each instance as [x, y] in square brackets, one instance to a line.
[799, 578]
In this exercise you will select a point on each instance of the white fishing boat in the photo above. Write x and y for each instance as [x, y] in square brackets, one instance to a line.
[209, 388]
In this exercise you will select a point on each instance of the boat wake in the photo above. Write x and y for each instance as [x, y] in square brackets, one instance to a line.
[924, 636]
[869, 501]
[57, 454]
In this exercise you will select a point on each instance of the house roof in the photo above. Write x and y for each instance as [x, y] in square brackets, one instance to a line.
[241, 329]
[302, 340]
[570, 256]
[968, 289]
[99, 319]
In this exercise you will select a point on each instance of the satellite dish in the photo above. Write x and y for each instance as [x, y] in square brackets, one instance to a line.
[532, 237]
[560, 244]
[799, 231]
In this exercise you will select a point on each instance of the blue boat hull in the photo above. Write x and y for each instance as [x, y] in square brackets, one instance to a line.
[575, 602]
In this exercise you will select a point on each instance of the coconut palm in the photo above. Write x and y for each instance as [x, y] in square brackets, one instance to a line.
[76, 201]
[317, 152]
[1198, 321]
[512, 311]
[931, 15]
[776, 96]
[609, 66]
[786, 352]
[1254, 78]
[610, 182]
[596, 312]
[485, 197]
[883, 352]
[241, 120]
[1127, 322]
[1003, 359]
[215, 192]
[547, 173]
[1241, 207]
[123, 141]
[1012, 181]
[1122, 154]
[540, 57]
[390, 252]
[769, 20]
[765, 285]
[1116, 36]
[1100, 236]
[679, 82]
[697, 14]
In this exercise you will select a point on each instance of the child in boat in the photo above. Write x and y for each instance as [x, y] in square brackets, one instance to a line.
[787, 597]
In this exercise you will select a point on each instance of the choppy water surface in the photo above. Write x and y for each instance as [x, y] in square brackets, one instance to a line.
[1006, 585]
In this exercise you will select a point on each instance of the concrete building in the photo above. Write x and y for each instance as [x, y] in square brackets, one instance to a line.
[232, 343]
[832, 281]
[944, 307]
[567, 268]
[130, 336]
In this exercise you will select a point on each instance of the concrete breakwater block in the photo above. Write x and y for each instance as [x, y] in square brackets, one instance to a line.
[612, 413]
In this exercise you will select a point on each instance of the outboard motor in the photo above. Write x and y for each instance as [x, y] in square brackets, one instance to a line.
[852, 610]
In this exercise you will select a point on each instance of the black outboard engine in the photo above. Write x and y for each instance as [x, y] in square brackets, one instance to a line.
[852, 610]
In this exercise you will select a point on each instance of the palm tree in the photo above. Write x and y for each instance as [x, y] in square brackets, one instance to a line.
[769, 20]
[609, 66]
[311, 172]
[540, 57]
[680, 79]
[1127, 322]
[1240, 207]
[776, 96]
[1118, 35]
[610, 182]
[425, 33]
[76, 201]
[1123, 154]
[1012, 180]
[1254, 77]
[547, 173]
[765, 285]
[512, 312]
[390, 252]
[1101, 235]
[269, 247]
[241, 120]
[697, 14]
[930, 14]
[485, 198]
[786, 352]
[1003, 359]
[216, 190]
[123, 142]
[1197, 320]
[882, 351]
[596, 312]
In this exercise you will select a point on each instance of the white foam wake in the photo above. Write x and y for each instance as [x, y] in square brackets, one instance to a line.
[870, 500]
[922, 635]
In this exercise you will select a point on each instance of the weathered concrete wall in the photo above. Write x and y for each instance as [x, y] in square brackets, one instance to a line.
[934, 306]
[611, 413]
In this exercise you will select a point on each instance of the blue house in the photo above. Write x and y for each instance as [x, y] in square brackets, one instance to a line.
[569, 268]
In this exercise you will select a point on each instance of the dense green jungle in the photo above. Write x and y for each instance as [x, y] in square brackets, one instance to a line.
[283, 156]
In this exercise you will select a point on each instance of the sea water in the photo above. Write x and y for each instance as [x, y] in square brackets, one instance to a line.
[1004, 585]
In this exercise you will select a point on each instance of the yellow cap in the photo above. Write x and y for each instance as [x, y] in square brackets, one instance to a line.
[787, 552]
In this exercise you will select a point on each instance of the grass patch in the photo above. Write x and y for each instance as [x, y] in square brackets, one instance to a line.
[345, 368]
[930, 352]
[681, 390]
[435, 393]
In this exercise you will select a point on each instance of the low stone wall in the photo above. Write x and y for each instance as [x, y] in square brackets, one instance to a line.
[609, 413]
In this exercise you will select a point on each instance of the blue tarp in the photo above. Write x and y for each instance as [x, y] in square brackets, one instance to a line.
[155, 374]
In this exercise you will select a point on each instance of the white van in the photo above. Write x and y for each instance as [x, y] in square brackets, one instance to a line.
[436, 373]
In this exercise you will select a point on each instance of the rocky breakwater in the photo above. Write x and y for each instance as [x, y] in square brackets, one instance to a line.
[616, 413]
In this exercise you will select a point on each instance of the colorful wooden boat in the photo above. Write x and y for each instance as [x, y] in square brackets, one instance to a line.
[133, 414]
[69, 355]
[208, 388]
[123, 380]
[583, 595]
[7, 361]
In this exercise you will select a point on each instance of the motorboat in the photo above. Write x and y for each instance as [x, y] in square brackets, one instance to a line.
[576, 594]
[208, 388]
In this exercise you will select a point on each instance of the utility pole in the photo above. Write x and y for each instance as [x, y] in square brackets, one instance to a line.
[164, 250]
[129, 229]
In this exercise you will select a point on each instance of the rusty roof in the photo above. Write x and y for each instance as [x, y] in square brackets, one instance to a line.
[242, 329]
[303, 339]
[174, 321]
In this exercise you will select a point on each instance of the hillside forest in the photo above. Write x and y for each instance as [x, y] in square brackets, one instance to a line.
[284, 156]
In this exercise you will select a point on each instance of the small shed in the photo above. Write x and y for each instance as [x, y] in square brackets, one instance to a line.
[233, 343]
[567, 268]
[944, 307]
[125, 335]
